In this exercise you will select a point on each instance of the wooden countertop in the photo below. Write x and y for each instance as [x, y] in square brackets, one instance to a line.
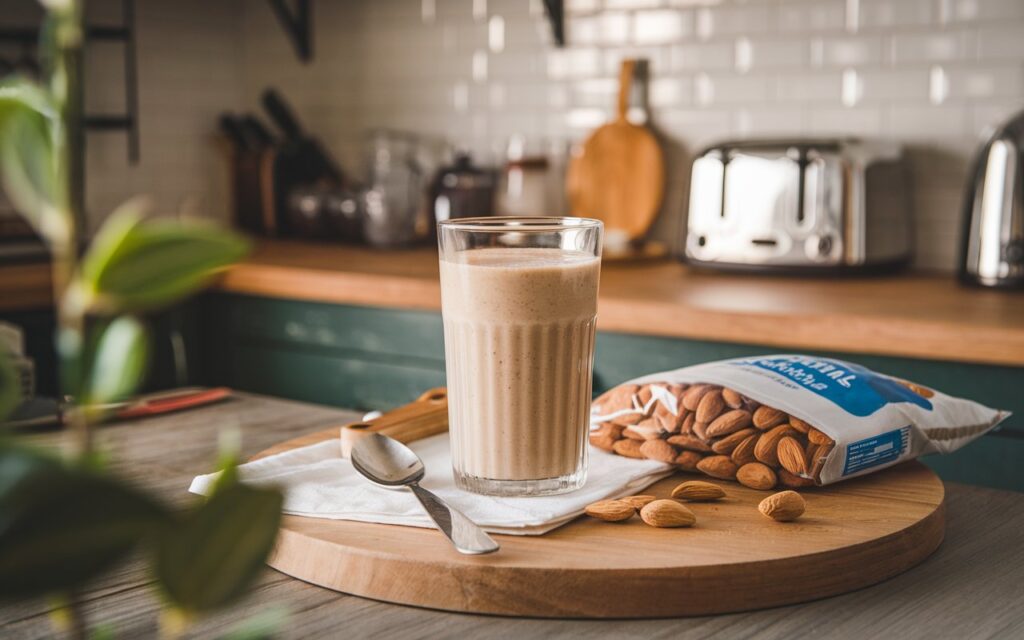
[25, 286]
[969, 588]
[919, 316]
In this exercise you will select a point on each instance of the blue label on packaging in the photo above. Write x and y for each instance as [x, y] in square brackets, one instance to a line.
[855, 389]
[876, 450]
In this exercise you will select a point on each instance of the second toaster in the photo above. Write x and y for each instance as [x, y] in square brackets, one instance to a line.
[800, 205]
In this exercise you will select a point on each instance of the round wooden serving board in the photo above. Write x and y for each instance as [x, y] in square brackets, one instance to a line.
[852, 535]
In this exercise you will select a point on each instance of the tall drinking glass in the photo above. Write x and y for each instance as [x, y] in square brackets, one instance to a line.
[519, 300]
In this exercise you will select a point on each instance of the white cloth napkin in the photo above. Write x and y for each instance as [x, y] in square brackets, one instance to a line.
[319, 483]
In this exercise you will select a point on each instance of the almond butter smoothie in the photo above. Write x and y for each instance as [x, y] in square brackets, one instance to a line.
[519, 343]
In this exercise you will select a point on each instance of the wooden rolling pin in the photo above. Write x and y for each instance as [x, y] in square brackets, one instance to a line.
[426, 417]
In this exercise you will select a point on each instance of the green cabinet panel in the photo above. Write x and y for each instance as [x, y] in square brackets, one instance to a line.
[371, 358]
[325, 379]
[408, 334]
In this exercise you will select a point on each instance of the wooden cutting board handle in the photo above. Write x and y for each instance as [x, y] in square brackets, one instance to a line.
[426, 417]
[625, 86]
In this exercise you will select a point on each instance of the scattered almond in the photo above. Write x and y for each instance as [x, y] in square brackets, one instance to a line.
[728, 422]
[787, 479]
[783, 506]
[767, 417]
[687, 460]
[689, 442]
[744, 451]
[610, 510]
[698, 491]
[667, 513]
[756, 475]
[711, 404]
[767, 445]
[627, 447]
[733, 399]
[731, 441]
[818, 437]
[638, 502]
[721, 467]
[693, 395]
[658, 450]
[792, 456]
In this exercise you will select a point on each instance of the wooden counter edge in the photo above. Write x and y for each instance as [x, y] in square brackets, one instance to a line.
[25, 287]
[906, 337]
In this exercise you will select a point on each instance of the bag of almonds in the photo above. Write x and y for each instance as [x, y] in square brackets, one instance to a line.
[792, 420]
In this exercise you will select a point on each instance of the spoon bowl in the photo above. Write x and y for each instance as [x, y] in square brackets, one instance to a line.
[386, 461]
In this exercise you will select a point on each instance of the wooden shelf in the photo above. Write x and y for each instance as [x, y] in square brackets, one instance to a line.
[25, 286]
[920, 316]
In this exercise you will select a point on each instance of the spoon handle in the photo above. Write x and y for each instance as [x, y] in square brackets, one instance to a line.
[464, 533]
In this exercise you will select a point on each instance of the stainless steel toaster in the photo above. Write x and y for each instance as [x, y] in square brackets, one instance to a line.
[800, 205]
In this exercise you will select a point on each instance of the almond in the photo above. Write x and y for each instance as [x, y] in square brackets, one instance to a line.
[766, 448]
[693, 395]
[658, 450]
[668, 422]
[789, 480]
[718, 467]
[687, 460]
[820, 458]
[632, 434]
[610, 429]
[610, 510]
[767, 417]
[818, 437]
[700, 429]
[689, 442]
[698, 491]
[792, 456]
[687, 425]
[628, 448]
[756, 476]
[744, 451]
[667, 513]
[710, 406]
[648, 428]
[733, 399]
[638, 502]
[643, 396]
[731, 441]
[729, 422]
[616, 399]
[799, 424]
[602, 441]
[783, 506]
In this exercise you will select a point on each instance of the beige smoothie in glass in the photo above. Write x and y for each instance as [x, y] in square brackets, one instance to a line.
[519, 324]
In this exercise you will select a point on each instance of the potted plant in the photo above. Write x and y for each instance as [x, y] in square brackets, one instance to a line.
[66, 517]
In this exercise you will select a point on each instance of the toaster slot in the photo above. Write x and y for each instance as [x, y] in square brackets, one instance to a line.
[764, 242]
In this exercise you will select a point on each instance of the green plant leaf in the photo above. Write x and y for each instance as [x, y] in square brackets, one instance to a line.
[215, 552]
[28, 170]
[62, 525]
[17, 93]
[138, 265]
[118, 363]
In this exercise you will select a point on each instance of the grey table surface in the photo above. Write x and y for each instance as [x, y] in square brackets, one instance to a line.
[972, 587]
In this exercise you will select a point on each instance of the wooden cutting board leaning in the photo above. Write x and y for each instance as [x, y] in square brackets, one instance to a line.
[618, 175]
[853, 534]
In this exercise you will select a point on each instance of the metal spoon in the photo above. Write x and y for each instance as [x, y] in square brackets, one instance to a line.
[390, 463]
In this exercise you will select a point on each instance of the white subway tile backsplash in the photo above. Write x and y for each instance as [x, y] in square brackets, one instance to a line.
[661, 27]
[983, 10]
[884, 14]
[986, 82]
[1004, 42]
[846, 51]
[813, 88]
[812, 15]
[896, 85]
[769, 121]
[928, 122]
[933, 47]
[775, 53]
[706, 57]
[859, 121]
